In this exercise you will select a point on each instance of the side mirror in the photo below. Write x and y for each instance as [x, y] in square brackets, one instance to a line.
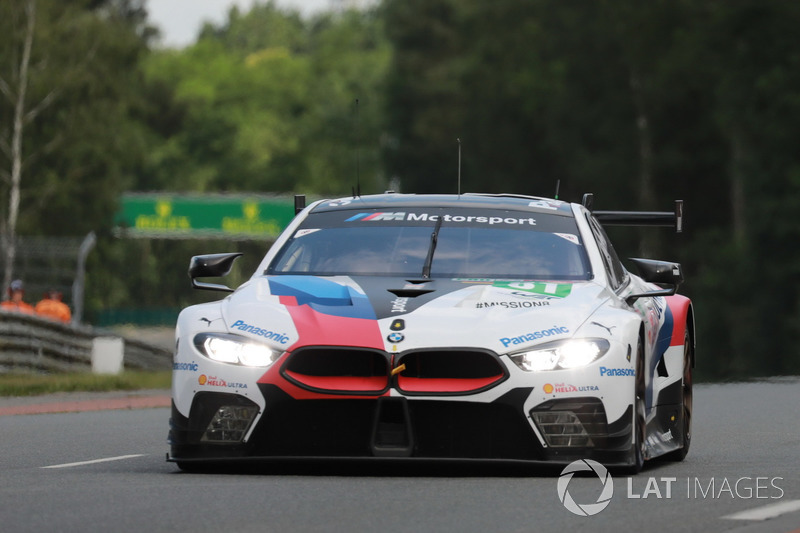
[212, 265]
[661, 272]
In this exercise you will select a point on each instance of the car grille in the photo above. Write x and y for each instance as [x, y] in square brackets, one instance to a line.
[362, 371]
[338, 370]
[454, 371]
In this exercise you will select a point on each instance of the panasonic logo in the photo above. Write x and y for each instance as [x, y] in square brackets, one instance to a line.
[271, 335]
[534, 335]
[616, 371]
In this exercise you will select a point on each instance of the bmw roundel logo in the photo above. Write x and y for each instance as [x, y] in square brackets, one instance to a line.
[395, 337]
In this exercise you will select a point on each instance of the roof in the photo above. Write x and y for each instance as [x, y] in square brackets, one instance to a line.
[467, 200]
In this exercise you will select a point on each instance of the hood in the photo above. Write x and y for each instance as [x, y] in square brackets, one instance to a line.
[398, 314]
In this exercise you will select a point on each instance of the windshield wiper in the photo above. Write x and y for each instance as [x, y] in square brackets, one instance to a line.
[426, 268]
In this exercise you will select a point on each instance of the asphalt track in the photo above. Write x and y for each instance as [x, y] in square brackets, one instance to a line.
[81, 402]
[103, 469]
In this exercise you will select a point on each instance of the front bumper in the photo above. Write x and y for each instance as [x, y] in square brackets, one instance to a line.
[400, 427]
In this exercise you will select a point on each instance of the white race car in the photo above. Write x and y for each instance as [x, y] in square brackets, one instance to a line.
[472, 326]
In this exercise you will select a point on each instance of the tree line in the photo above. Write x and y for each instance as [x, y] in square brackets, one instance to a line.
[640, 103]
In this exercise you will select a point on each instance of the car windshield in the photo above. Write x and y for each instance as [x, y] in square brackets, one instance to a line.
[493, 244]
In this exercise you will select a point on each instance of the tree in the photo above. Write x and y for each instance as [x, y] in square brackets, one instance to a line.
[67, 114]
[756, 57]
[16, 91]
[265, 102]
[424, 96]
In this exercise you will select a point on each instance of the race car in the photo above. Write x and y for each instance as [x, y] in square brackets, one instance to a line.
[471, 326]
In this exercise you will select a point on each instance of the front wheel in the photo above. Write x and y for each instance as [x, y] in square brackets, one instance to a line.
[639, 444]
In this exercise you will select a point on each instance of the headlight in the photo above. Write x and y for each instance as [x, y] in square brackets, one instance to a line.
[561, 355]
[235, 350]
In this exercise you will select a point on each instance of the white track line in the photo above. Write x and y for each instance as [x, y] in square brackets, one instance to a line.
[94, 461]
[767, 511]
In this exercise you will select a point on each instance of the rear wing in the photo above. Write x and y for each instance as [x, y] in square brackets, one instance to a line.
[671, 219]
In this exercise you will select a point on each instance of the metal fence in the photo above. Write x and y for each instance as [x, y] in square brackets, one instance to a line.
[35, 345]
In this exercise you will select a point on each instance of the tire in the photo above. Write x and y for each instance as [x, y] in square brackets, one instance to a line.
[686, 401]
[639, 445]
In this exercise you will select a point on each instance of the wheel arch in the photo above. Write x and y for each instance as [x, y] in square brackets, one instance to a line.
[683, 319]
[692, 337]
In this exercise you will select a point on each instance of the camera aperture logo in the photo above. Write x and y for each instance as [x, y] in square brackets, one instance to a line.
[585, 509]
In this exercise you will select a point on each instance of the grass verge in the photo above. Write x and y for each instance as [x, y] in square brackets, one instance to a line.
[37, 384]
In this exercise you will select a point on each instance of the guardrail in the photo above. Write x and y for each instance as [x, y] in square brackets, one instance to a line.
[36, 345]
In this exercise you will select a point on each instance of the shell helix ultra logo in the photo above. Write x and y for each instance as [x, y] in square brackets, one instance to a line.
[585, 509]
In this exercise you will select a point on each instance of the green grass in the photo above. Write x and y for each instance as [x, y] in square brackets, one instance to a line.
[37, 384]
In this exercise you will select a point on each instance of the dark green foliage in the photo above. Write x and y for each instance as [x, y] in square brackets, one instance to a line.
[639, 102]
[152, 274]
[80, 150]
[266, 103]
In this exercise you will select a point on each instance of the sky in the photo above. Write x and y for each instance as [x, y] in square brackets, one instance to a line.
[181, 20]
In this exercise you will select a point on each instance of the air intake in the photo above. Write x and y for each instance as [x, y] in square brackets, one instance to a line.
[573, 423]
[338, 370]
[230, 424]
[449, 372]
